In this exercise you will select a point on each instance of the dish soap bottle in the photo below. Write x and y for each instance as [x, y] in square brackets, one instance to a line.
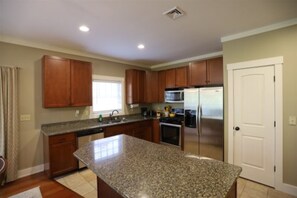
[100, 118]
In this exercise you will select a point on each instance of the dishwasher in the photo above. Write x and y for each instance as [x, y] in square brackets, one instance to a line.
[86, 136]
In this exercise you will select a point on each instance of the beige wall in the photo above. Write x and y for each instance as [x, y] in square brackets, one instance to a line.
[30, 96]
[281, 42]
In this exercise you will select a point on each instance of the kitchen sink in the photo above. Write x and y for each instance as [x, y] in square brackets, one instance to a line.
[113, 121]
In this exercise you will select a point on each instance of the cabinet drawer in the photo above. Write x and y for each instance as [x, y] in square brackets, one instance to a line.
[62, 138]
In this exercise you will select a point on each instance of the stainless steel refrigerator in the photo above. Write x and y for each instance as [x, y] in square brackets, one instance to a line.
[204, 126]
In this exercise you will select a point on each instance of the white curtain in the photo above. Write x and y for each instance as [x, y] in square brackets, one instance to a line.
[9, 122]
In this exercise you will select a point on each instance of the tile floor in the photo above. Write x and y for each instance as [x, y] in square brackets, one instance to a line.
[84, 183]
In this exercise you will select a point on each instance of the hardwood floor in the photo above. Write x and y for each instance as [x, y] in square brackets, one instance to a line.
[49, 188]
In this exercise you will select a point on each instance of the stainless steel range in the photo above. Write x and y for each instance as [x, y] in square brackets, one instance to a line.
[170, 129]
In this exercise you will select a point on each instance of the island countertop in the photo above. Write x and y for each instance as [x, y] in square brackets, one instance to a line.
[138, 168]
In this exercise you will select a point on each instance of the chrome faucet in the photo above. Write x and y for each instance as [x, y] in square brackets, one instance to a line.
[110, 115]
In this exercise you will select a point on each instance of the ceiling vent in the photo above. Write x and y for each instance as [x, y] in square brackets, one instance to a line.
[174, 13]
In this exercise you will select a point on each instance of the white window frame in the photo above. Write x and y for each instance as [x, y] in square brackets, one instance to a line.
[114, 79]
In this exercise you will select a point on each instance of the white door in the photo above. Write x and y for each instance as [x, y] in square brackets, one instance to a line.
[254, 132]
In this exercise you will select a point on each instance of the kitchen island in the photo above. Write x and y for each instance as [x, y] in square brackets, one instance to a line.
[129, 167]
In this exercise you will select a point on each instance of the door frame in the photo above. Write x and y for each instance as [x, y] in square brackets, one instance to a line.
[277, 63]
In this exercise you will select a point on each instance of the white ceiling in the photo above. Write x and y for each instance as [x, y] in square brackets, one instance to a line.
[118, 26]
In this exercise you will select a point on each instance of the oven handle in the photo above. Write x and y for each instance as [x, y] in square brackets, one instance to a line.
[168, 124]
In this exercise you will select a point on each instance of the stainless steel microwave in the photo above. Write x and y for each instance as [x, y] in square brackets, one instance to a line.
[174, 96]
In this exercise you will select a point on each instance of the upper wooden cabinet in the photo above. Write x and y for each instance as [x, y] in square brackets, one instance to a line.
[208, 72]
[177, 77]
[161, 85]
[181, 77]
[170, 78]
[151, 91]
[134, 86]
[215, 71]
[66, 82]
[81, 83]
[197, 73]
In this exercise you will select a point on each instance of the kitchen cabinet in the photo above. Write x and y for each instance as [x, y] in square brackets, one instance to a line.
[215, 71]
[151, 92]
[161, 85]
[66, 82]
[181, 77]
[177, 77]
[58, 154]
[156, 131]
[134, 86]
[81, 83]
[170, 78]
[207, 72]
[141, 129]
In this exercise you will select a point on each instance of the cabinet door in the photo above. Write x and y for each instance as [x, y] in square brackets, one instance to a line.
[143, 130]
[162, 85]
[170, 78]
[126, 129]
[61, 148]
[181, 77]
[156, 131]
[56, 81]
[197, 73]
[134, 86]
[114, 130]
[151, 87]
[215, 71]
[140, 85]
[81, 83]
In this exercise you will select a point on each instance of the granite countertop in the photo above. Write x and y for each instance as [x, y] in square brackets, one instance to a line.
[138, 168]
[80, 125]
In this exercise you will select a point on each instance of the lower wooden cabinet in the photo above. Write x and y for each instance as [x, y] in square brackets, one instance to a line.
[156, 131]
[141, 129]
[58, 154]
[59, 149]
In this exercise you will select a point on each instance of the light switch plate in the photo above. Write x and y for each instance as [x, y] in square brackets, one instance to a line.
[25, 117]
[292, 120]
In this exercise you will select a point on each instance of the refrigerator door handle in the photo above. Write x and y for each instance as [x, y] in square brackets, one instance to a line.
[198, 119]
[200, 116]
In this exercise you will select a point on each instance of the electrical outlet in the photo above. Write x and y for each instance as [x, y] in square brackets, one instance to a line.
[25, 117]
[76, 113]
[292, 120]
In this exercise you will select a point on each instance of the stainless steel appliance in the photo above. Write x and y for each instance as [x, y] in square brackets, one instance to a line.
[87, 136]
[170, 129]
[174, 96]
[204, 127]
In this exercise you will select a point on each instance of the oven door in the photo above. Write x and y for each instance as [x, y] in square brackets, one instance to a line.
[170, 134]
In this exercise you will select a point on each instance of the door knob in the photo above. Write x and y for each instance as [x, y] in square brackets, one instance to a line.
[237, 128]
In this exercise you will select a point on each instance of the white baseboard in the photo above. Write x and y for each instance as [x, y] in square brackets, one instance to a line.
[287, 188]
[30, 171]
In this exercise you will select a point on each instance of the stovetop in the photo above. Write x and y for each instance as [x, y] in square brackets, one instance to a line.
[174, 120]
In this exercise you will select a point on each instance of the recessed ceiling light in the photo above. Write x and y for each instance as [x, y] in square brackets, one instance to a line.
[84, 28]
[140, 46]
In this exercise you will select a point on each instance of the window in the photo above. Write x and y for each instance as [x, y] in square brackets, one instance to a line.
[107, 94]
